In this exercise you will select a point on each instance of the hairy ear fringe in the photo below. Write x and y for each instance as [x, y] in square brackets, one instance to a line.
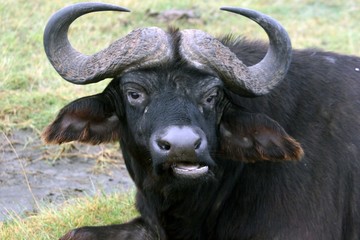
[287, 150]
[290, 150]
[52, 135]
[87, 120]
[251, 137]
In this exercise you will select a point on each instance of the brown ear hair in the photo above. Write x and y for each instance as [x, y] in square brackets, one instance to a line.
[89, 120]
[252, 137]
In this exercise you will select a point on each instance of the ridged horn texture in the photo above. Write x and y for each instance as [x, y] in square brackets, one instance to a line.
[141, 48]
[205, 52]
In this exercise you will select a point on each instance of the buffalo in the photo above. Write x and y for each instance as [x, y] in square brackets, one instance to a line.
[224, 138]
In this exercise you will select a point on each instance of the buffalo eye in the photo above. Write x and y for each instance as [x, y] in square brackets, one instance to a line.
[210, 98]
[135, 97]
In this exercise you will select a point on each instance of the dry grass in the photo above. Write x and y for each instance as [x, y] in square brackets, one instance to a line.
[107, 155]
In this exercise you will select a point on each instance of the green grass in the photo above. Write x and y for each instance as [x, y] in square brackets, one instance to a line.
[52, 223]
[31, 92]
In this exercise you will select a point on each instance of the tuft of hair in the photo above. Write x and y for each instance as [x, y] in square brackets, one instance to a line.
[84, 120]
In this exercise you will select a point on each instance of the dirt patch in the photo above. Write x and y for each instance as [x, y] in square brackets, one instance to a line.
[32, 174]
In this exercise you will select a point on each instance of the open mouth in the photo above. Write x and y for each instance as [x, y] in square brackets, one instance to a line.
[189, 170]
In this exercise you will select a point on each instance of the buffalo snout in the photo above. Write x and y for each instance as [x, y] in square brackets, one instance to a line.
[182, 150]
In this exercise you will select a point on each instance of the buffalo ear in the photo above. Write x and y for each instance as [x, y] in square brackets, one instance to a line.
[89, 120]
[252, 137]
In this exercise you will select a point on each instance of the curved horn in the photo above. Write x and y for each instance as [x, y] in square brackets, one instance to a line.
[140, 48]
[204, 51]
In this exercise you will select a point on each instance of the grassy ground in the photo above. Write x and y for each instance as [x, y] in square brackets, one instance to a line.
[31, 92]
[54, 222]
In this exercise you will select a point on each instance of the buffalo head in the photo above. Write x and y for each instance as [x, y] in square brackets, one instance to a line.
[168, 103]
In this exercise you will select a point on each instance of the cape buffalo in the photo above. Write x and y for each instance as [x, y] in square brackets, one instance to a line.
[224, 138]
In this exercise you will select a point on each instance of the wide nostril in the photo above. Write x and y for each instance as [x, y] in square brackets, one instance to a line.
[164, 145]
[197, 144]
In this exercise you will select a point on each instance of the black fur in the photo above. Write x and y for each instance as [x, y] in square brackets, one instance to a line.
[317, 106]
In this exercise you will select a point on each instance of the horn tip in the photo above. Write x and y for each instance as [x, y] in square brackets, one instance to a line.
[122, 9]
[238, 10]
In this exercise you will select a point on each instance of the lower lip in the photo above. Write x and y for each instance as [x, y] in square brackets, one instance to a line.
[189, 171]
